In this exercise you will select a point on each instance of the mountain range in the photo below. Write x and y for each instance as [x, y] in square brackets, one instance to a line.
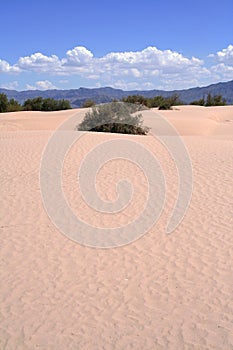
[106, 94]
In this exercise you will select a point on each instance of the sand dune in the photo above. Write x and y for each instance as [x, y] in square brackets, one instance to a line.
[196, 120]
[188, 120]
[159, 292]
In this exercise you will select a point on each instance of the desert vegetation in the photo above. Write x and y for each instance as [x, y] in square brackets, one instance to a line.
[88, 103]
[216, 100]
[160, 102]
[157, 101]
[115, 117]
[34, 104]
[168, 102]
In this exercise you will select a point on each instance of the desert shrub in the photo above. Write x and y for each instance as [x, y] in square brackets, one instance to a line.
[210, 100]
[13, 106]
[9, 105]
[46, 104]
[113, 117]
[164, 106]
[156, 101]
[216, 100]
[63, 104]
[3, 103]
[200, 102]
[88, 104]
[34, 104]
[135, 99]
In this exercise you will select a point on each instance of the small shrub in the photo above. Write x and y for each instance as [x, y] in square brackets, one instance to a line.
[3, 103]
[13, 106]
[165, 105]
[46, 104]
[200, 102]
[115, 117]
[210, 100]
[88, 104]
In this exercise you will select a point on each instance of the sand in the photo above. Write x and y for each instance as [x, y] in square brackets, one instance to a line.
[161, 291]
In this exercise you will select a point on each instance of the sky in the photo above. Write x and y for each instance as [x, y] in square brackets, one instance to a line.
[126, 44]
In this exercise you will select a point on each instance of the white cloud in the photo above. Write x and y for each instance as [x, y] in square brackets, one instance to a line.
[148, 68]
[10, 86]
[223, 71]
[80, 61]
[135, 72]
[5, 67]
[41, 85]
[145, 63]
[38, 62]
[77, 57]
[151, 56]
[224, 56]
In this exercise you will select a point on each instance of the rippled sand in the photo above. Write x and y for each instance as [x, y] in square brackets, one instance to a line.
[159, 292]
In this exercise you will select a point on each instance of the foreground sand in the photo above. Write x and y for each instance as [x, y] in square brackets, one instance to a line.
[160, 292]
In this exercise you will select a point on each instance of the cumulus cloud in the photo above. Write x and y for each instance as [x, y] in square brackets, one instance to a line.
[148, 68]
[136, 69]
[78, 56]
[146, 63]
[41, 85]
[11, 85]
[223, 67]
[223, 71]
[5, 67]
[39, 63]
[150, 61]
[224, 56]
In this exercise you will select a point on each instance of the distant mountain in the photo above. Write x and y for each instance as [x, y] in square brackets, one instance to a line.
[100, 95]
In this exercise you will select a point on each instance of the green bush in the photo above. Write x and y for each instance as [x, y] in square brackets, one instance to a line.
[156, 101]
[35, 104]
[115, 117]
[13, 106]
[9, 105]
[3, 103]
[88, 104]
[135, 99]
[46, 105]
[216, 100]
[200, 102]
[165, 105]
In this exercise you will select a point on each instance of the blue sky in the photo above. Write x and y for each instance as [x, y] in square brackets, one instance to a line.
[123, 44]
